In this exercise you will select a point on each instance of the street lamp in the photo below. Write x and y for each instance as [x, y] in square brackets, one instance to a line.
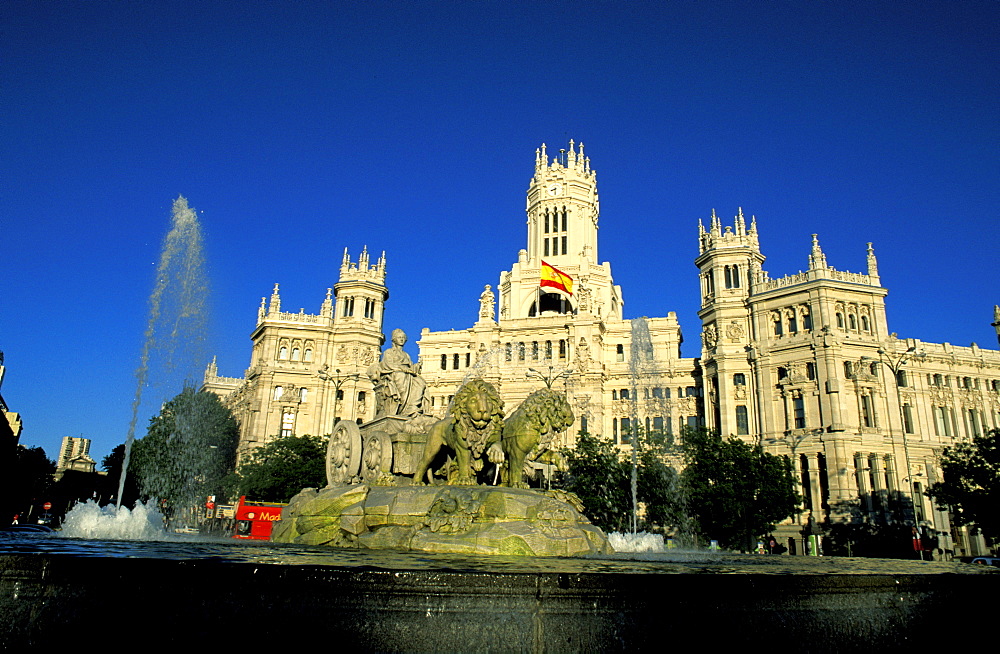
[551, 377]
[895, 364]
[338, 381]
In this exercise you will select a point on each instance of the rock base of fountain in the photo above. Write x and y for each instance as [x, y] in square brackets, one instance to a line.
[441, 519]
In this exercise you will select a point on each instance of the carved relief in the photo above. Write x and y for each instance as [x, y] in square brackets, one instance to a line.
[734, 331]
[709, 336]
[342, 354]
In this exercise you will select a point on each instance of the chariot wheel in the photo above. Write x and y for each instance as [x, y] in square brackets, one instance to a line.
[343, 454]
[376, 458]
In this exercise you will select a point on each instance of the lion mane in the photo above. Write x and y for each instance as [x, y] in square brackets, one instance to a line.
[474, 422]
[532, 428]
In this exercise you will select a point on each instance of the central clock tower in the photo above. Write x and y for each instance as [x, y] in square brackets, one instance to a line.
[562, 207]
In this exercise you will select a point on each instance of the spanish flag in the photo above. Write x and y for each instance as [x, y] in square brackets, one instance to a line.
[552, 276]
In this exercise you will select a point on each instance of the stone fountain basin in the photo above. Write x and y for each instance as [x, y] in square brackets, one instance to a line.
[58, 592]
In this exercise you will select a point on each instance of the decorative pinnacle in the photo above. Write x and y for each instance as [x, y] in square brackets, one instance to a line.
[872, 262]
[817, 260]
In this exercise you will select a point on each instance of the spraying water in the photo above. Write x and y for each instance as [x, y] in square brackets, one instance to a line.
[640, 368]
[175, 330]
[89, 520]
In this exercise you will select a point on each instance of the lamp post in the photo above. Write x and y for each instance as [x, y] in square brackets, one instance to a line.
[551, 377]
[895, 364]
[337, 380]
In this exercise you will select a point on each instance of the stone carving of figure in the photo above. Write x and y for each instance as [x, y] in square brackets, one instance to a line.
[399, 388]
[487, 302]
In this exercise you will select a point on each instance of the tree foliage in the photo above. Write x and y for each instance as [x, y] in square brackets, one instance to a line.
[971, 485]
[188, 450]
[31, 482]
[728, 490]
[280, 469]
[599, 477]
[735, 492]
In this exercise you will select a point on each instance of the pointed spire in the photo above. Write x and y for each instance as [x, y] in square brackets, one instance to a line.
[996, 312]
[275, 305]
[363, 259]
[213, 369]
[545, 157]
[872, 262]
[716, 228]
[326, 309]
[817, 260]
[741, 225]
[347, 258]
[261, 310]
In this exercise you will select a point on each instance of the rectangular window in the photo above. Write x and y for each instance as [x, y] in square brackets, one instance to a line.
[693, 421]
[742, 422]
[620, 352]
[908, 418]
[454, 361]
[658, 424]
[800, 412]
[545, 246]
[670, 425]
[867, 418]
[901, 378]
[546, 223]
[468, 359]
[444, 362]
[626, 430]
[564, 248]
[658, 393]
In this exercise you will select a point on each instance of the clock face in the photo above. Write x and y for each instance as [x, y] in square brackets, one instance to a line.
[554, 189]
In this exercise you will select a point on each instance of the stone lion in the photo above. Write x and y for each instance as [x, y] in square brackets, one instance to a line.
[474, 422]
[530, 432]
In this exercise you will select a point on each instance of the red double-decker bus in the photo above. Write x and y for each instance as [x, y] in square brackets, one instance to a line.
[254, 520]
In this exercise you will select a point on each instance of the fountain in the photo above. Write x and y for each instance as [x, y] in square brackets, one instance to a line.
[231, 594]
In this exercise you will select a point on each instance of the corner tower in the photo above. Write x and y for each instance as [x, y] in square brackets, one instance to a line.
[729, 260]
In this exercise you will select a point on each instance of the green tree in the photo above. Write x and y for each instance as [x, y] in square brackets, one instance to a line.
[971, 485]
[280, 469]
[735, 491]
[602, 481]
[32, 481]
[659, 487]
[188, 450]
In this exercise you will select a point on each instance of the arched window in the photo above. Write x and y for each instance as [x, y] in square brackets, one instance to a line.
[534, 350]
[853, 322]
[295, 354]
[739, 379]
[562, 349]
[303, 393]
[548, 349]
[283, 352]
[508, 352]
[840, 320]
[278, 391]
[308, 356]
[520, 351]
[776, 319]
[865, 326]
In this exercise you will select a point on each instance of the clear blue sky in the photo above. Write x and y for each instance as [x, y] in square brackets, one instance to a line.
[296, 129]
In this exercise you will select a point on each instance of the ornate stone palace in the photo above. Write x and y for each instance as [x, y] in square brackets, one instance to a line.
[803, 364]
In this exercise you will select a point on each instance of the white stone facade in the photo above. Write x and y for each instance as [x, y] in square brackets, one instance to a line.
[803, 364]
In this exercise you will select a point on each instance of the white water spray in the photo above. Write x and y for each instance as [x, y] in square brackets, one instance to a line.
[177, 317]
[89, 520]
